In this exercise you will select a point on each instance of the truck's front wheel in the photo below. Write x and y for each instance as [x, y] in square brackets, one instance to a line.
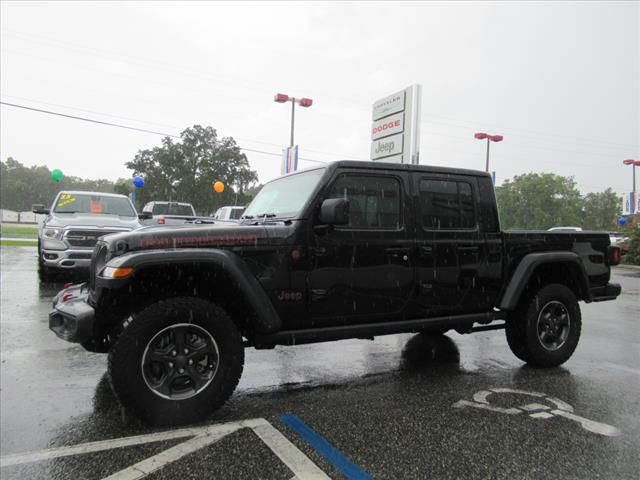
[176, 361]
[545, 330]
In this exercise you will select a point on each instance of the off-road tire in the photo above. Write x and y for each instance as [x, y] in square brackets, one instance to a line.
[526, 329]
[125, 365]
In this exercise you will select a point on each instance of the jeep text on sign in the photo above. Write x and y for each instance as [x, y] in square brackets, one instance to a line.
[388, 126]
[387, 146]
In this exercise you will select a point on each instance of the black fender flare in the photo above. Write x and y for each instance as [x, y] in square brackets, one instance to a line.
[528, 266]
[268, 320]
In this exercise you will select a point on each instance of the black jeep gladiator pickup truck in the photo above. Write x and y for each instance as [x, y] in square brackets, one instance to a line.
[349, 250]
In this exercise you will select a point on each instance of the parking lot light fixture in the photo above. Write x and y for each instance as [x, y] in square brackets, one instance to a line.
[489, 138]
[634, 164]
[303, 102]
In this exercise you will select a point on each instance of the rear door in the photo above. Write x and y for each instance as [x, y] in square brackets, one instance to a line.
[451, 252]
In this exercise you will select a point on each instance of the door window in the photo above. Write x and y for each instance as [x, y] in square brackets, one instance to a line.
[374, 202]
[446, 204]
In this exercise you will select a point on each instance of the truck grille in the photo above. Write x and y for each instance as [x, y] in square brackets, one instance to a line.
[85, 238]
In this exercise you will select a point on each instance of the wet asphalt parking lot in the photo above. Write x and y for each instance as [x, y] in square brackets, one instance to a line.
[402, 406]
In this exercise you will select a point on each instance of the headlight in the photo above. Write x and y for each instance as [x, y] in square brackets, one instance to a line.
[117, 272]
[55, 233]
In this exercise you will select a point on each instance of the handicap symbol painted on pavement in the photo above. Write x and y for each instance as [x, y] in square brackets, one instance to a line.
[537, 410]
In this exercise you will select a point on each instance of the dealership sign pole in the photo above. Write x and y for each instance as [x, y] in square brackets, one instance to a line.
[395, 131]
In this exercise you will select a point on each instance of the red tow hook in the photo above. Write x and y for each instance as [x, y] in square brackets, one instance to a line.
[67, 295]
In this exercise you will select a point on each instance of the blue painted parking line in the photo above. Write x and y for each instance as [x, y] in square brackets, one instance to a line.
[324, 448]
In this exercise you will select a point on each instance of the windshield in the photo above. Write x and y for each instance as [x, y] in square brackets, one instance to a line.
[172, 209]
[284, 197]
[93, 204]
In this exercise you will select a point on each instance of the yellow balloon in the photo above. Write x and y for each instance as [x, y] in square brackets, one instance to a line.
[218, 186]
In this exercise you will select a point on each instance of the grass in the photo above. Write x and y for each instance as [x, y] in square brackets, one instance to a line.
[18, 231]
[18, 243]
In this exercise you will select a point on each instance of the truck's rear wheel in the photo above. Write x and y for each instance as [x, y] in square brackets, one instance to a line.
[176, 361]
[546, 329]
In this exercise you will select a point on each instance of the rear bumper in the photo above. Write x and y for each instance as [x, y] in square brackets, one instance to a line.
[72, 318]
[610, 291]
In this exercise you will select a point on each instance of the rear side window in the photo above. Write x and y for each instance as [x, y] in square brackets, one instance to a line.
[374, 202]
[172, 209]
[446, 204]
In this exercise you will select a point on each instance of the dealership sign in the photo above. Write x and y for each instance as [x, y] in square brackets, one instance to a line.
[396, 127]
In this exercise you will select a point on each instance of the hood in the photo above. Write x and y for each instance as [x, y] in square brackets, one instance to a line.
[91, 220]
[219, 235]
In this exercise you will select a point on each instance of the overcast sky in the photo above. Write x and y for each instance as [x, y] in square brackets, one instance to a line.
[560, 81]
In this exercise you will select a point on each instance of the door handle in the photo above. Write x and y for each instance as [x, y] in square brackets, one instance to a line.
[426, 249]
[396, 251]
[468, 249]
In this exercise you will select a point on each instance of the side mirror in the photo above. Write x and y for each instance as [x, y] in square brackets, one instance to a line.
[39, 209]
[334, 211]
[145, 216]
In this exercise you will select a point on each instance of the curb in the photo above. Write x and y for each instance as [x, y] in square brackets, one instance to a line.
[631, 267]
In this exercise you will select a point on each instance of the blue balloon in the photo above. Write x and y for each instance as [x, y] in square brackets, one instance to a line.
[622, 220]
[138, 182]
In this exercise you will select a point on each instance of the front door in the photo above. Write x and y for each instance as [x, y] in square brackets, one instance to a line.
[363, 271]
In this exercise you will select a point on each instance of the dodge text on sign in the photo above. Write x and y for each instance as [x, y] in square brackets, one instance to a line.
[388, 126]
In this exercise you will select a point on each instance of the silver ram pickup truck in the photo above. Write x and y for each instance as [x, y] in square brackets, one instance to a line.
[73, 225]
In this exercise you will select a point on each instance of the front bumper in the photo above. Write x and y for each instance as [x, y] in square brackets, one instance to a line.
[72, 318]
[70, 258]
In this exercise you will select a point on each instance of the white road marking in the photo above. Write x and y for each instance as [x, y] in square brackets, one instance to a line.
[99, 446]
[541, 415]
[301, 466]
[590, 425]
[483, 406]
[532, 407]
[290, 455]
[151, 464]
[563, 409]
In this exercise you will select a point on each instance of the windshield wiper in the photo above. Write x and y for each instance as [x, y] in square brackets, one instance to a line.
[266, 215]
[246, 217]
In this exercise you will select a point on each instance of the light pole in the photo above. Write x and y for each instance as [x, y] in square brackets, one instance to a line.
[303, 102]
[634, 164]
[490, 138]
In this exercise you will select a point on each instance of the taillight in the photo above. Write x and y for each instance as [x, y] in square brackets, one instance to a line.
[614, 255]
[161, 220]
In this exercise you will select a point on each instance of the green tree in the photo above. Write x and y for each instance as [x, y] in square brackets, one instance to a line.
[123, 186]
[538, 201]
[633, 255]
[601, 210]
[21, 186]
[185, 170]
